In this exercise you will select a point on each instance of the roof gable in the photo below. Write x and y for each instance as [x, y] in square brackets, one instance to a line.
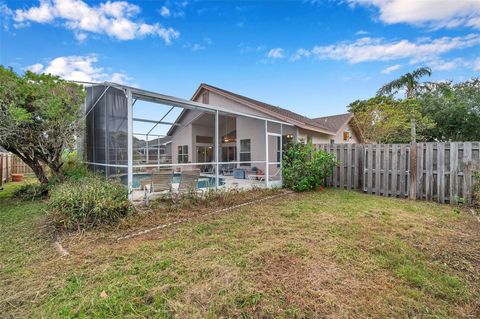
[274, 111]
[334, 122]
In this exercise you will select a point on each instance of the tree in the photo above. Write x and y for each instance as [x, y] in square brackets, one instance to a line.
[39, 117]
[409, 82]
[384, 119]
[455, 108]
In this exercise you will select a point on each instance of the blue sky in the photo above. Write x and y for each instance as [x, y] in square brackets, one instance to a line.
[313, 57]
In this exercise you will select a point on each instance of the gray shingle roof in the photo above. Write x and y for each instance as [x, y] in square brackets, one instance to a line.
[334, 122]
[272, 108]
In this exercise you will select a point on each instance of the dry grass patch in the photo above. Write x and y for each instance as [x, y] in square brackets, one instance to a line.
[334, 254]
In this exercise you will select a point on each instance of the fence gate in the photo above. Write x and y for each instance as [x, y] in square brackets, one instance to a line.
[441, 172]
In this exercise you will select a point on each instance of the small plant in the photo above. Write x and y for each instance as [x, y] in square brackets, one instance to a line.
[305, 168]
[476, 190]
[73, 168]
[32, 191]
[88, 202]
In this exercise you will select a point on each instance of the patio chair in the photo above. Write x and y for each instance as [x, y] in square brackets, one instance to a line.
[261, 178]
[189, 180]
[161, 181]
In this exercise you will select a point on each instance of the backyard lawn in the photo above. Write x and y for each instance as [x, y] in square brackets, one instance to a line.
[330, 254]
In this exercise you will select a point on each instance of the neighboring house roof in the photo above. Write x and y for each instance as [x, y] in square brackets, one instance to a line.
[154, 142]
[334, 122]
[272, 110]
[2, 150]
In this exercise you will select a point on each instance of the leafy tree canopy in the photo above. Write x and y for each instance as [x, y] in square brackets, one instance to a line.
[39, 117]
[408, 82]
[386, 120]
[455, 108]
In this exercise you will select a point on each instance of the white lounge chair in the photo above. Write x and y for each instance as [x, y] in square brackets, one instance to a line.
[261, 178]
[161, 181]
[189, 180]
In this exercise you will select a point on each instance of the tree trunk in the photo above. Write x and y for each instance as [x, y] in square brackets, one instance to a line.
[39, 172]
[34, 164]
[57, 171]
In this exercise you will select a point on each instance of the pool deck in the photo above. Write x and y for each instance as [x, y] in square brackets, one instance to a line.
[230, 183]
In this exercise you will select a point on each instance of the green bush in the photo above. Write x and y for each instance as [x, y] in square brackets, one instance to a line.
[31, 191]
[476, 190]
[88, 202]
[73, 168]
[305, 168]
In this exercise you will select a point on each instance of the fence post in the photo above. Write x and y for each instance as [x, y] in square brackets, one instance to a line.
[413, 171]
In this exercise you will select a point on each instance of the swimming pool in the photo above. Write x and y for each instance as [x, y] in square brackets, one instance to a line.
[204, 182]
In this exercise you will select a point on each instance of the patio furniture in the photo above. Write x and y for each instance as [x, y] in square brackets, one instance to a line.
[161, 181]
[240, 173]
[189, 180]
[261, 177]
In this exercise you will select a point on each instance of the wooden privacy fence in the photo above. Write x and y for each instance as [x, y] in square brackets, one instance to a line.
[441, 172]
[10, 164]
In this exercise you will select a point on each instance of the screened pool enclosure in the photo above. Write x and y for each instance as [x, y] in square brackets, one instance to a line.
[131, 133]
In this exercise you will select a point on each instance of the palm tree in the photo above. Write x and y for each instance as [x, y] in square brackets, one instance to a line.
[409, 82]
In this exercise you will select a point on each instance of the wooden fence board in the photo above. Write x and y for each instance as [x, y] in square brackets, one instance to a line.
[453, 172]
[467, 171]
[429, 172]
[342, 167]
[370, 169]
[402, 171]
[386, 171]
[349, 164]
[377, 169]
[442, 172]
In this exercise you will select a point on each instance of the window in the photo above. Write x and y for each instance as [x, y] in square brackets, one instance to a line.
[245, 155]
[183, 154]
[332, 141]
[346, 135]
[309, 140]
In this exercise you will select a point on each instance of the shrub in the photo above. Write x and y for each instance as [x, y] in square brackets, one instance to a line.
[73, 168]
[476, 190]
[305, 168]
[32, 191]
[88, 202]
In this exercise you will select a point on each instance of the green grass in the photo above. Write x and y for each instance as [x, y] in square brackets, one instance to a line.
[330, 254]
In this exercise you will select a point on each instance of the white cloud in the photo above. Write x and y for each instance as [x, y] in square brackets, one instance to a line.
[433, 13]
[378, 49]
[164, 11]
[245, 48]
[362, 32]
[476, 65]
[276, 53]
[390, 69]
[78, 68]
[443, 65]
[197, 47]
[113, 18]
[300, 54]
[37, 67]
[6, 13]
[81, 36]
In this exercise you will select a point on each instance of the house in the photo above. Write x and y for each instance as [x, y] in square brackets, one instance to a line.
[234, 140]
[242, 139]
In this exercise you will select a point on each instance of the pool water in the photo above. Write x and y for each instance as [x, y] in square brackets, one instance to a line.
[202, 183]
